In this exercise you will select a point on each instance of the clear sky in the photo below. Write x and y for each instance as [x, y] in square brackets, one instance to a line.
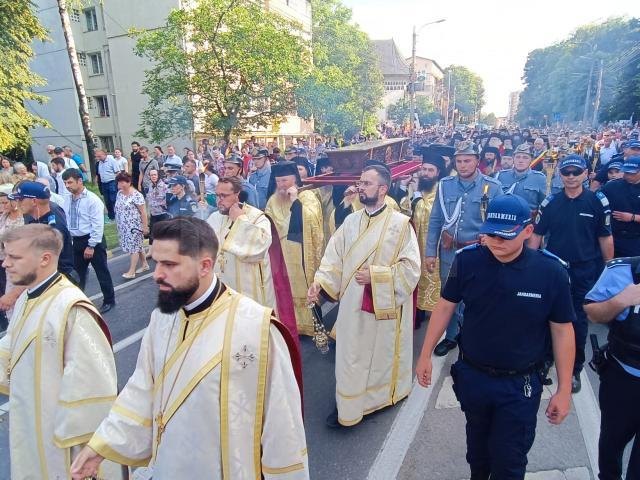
[491, 37]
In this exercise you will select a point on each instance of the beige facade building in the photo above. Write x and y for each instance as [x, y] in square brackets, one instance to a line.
[429, 79]
[514, 102]
[112, 73]
[395, 71]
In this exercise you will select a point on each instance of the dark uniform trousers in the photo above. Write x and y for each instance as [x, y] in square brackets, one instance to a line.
[620, 421]
[99, 264]
[625, 246]
[109, 191]
[501, 420]
[583, 277]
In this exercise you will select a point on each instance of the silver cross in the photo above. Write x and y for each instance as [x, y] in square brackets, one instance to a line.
[244, 357]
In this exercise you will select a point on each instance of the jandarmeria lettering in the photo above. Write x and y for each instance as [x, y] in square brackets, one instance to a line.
[529, 295]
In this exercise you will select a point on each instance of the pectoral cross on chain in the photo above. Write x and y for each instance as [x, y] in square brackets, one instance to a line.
[160, 429]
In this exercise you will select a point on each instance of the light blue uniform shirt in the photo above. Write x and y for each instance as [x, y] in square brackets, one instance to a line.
[615, 278]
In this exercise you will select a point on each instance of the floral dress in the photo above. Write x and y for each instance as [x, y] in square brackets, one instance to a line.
[129, 221]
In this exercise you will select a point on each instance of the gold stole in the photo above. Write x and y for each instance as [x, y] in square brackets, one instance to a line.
[371, 247]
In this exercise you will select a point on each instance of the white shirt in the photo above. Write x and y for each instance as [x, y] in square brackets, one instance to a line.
[606, 153]
[122, 163]
[210, 182]
[173, 159]
[43, 170]
[85, 216]
[62, 188]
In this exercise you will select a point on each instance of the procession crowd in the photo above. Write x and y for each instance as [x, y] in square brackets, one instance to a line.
[505, 241]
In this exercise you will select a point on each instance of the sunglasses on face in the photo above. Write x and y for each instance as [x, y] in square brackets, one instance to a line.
[571, 173]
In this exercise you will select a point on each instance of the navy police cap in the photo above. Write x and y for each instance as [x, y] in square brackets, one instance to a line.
[507, 215]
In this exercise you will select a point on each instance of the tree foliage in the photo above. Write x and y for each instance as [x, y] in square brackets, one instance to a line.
[345, 86]
[562, 78]
[18, 28]
[224, 66]
[400, 111]
[469, 89]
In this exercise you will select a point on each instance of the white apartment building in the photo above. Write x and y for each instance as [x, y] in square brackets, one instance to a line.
[112, 73]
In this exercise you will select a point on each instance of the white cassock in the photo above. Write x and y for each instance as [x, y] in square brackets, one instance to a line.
[213, 396]
[373, 350]
[57, 367]
[243, 258]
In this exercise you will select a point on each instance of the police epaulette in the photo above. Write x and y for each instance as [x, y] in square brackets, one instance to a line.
[491, 180]
[547, 253]
[450, 177]
[536, 172]
[473, 246]
[619, 262]
[546, 201]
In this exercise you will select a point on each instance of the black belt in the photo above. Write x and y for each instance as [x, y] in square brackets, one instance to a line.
[499, 372]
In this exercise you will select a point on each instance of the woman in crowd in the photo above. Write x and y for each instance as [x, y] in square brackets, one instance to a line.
[10, 218]
[6, 165]
[157, 199]
[131, 220]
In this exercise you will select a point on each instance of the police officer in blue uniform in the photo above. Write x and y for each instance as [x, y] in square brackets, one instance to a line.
[614, 301]
[524, 182]
[260, 177]
[578, 224]
[624, 198]
[455, 220]
[179, 204]
[515, 299]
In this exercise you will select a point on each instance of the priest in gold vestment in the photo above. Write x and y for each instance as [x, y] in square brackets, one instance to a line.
[56, 362]
[214, 394]
[372, 266]
[298, 219]
[419, 204]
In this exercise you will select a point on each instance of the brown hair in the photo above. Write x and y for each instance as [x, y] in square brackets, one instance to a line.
[42, 238]
[123, 177]
[236, 184]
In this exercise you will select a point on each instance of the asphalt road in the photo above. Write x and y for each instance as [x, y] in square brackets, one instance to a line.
[438, 440]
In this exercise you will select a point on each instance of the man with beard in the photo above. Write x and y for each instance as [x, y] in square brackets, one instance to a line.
[455, 221]
[214, 374]
[490, 160]
[524, 182]
[371, 265]
[246, 252]
[298, 220]
[56, 363]
[421, 206]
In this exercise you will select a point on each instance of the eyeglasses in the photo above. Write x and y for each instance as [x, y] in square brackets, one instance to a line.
[571, 173]
[365, 184]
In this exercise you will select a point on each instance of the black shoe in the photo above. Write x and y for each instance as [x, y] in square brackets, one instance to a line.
[576, 384]
[332, 420]
[106, 307]
[444, 347]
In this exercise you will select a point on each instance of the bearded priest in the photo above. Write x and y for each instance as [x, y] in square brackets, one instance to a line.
[56, 362]
[214, 375]
[297, 216]
[372, 266]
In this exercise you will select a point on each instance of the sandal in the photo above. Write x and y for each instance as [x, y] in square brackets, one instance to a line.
[143, 269]
[128, 276]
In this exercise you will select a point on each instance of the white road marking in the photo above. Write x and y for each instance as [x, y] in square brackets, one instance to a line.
[390, 457]
[588, 412]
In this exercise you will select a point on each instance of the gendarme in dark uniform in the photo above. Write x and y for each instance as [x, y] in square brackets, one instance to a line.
[179, 204]
[619, 395]
[512, 302]
[624, 197]
[578, 225]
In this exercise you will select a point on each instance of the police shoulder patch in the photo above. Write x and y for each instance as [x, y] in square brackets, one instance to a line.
[548, 254]
[546, 201]
[468, 248]
[194, 206]
[603, 198]
[619, 262]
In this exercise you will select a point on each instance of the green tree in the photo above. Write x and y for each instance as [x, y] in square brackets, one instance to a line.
[489, 119]
[399, 112]
[468, 88]
[18, 28]
[345, 87]
[562, 78]
[224, 66]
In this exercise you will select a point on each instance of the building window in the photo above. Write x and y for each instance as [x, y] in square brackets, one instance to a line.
[103, 106]
[106, 143]
[74, 15]
[96, 63]
[82, 59]
[92, 19]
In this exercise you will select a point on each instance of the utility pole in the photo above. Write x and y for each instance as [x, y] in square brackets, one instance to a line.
[596, 106]
[412, 86]
[453, 112]
[446, 116]
[587, 99]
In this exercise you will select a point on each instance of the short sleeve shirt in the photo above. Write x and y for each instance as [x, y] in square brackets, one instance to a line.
[508, 306]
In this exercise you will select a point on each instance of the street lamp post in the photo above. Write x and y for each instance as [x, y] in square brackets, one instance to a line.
[412, 77]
